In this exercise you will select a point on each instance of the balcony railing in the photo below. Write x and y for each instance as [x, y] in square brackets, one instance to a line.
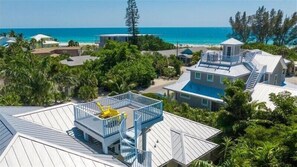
[87, 114]
[217, 58]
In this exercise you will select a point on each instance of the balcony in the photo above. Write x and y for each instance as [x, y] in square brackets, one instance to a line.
[217, 58]
[128, 104]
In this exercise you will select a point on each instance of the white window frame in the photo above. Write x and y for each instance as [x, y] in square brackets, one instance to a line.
[222, 79]
[208, 80]
[196, 75]
[184, 97]
[204, 104]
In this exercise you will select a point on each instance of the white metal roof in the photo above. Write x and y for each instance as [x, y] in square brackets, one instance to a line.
[60, 118]
[186, 148]
[262, 91]
[77, 60]
[232, 41]
[42, 125]
[270, 60]
[160, 140]
[38, 37]
[31, 152]
[48, 127]
[233, 71]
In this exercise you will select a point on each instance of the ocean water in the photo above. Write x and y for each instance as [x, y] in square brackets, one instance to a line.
[182, 35]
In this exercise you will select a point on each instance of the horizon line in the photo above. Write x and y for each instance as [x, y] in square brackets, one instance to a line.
[115, 27]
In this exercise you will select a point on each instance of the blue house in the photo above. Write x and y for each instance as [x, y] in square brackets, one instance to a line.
[203, 86]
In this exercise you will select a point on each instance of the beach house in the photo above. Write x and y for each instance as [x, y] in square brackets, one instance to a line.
[202, 86]
[102, 39]
[123, 130]
[44, 41]
[6, 41]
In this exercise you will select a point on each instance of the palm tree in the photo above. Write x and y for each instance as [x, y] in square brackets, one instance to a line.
[33, 43]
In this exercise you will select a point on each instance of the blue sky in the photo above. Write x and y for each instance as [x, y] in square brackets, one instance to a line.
[111, 13]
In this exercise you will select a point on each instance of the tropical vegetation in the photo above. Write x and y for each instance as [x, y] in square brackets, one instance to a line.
[42, 80]
[265, 26]
[252, 134]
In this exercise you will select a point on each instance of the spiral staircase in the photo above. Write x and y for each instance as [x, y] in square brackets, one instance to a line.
[132, 155]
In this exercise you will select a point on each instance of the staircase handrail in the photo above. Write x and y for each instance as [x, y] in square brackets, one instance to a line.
[250, 77]
[122, 131]
[262, 72]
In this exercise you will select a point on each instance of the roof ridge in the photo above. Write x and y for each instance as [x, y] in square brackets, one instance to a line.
[9, 145]
[219, 131]
[191, 135]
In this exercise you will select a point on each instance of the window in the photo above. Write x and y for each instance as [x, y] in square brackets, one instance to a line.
[204, 102]
[197, 75]
[210, 77]
[228, 51]
[185, 96]
[222, 78]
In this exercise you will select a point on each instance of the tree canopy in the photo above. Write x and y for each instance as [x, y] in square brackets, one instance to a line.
[265, 26]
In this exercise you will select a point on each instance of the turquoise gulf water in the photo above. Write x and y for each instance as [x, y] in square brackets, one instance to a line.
[183, 35]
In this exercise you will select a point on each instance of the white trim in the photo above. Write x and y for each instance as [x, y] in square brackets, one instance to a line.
[211, 79]
[184, 97]
[204, 104]
[199, 78]
[222, 79]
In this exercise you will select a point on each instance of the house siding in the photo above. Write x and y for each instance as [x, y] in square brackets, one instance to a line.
[280, 76]
[216, 80]
[192, 101]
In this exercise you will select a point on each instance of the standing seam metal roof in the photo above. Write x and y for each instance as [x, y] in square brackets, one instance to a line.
[28, 151]
[159, 138]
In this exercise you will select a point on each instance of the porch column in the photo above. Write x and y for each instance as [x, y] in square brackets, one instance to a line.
[105, 148]
[167, 93]
[144, 139]
[86, 136]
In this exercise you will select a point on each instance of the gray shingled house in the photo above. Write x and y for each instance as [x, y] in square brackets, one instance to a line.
[203, 86]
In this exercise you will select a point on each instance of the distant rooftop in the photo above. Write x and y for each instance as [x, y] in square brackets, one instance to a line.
[232, 41]
[38, 37]
[120, 35]
[77, 60]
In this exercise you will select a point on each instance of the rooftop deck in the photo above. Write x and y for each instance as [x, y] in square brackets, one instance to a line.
[217, 58]
[127, 104]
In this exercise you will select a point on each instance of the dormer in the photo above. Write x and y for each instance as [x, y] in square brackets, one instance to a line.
[231, 47]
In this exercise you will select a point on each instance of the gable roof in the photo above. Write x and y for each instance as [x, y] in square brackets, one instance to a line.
[38, 37]
[262, 91]
[187, 148]
[270, 60]
[232, 41]
[71, 141]
[187, 51]
[160, 142]
[28, 151]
